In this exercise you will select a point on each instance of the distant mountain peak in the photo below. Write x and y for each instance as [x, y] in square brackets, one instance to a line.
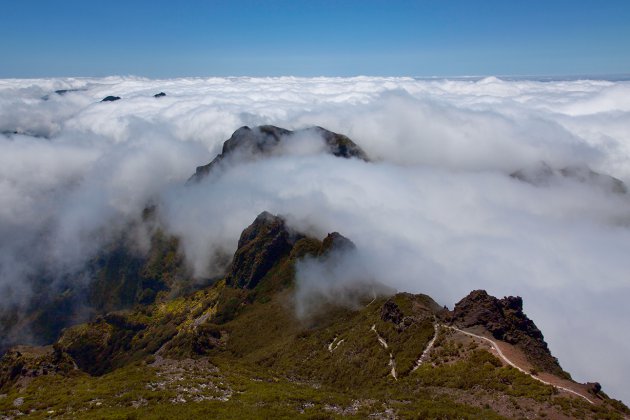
[265, 139]
[543, 174]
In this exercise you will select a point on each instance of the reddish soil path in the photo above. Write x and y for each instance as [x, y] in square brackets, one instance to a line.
[551, 380]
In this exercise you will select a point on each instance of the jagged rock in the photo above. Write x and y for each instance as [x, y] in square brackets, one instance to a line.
[263, 140]
[405, 310]
[594, 387]
[391, 312]
[159, 95]
[505, 320]
[335, 242]
[260, 247]
[110, 98]
[543, 174]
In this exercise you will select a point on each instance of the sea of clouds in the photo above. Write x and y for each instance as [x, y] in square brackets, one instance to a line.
[435, 212]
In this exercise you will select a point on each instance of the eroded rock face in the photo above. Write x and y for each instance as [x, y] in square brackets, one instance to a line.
[260, 247]
[505, 320]
[265, 139]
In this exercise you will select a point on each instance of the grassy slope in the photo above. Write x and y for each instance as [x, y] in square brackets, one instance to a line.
[231, 353]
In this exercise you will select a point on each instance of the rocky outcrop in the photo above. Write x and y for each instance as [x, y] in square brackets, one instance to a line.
[335, 242]
[390, 312]
[159, 95]
[543, 174]
[265, 139]
[406, 309]
[23, 363]
[505, 320]
[110, 98]
[261, 246]
[593, 387]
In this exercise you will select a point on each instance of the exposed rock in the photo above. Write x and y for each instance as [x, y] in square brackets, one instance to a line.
[335, 242]
[593, 387]
[543, 174]
[23, 363]
[265, 139]
[22, 132]
[391, 312]
[62, 92]
[406, 309]
[88, 345]
[159, 95]
[110, 98]
[260, 247]
[505, 320]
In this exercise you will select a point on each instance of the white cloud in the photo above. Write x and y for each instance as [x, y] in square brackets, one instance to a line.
[436, 213]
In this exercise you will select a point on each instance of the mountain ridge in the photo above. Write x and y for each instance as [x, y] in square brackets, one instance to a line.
[158, 340]
[253, 324]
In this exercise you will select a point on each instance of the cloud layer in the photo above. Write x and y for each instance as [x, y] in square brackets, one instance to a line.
[436, 212]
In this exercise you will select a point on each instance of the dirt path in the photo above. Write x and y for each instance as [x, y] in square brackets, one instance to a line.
[495, 346]
[426, 351]
[383, 343]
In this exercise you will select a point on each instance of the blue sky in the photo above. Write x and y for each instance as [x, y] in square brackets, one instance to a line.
[158, 38]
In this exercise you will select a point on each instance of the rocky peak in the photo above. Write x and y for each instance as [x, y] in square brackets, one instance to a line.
[261, 139]
[261, 245]
[264, 139]
[339, 145]
[506, 321]
[335, 242]
[110, 98]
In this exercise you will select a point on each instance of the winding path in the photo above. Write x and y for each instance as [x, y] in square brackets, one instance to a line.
[428, 348]
[392, 361]
[495, 346]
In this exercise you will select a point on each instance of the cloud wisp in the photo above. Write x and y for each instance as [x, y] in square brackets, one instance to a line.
[435, 211]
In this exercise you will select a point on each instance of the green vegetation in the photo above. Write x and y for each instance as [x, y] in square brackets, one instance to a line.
[235, 391]
[482, 370]
[231, 351]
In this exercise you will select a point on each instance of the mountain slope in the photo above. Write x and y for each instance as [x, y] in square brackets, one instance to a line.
[237, 349]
